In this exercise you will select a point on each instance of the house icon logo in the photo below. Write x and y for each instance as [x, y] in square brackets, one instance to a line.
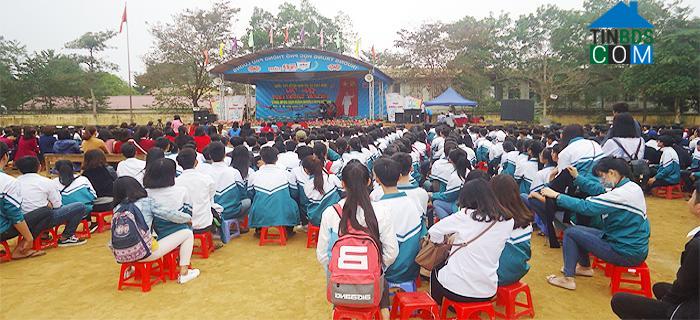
[622, 36]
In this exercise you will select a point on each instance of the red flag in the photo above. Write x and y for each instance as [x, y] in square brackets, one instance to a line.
[123, 19]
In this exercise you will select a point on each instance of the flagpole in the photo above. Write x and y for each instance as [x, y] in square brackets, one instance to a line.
[128, 66]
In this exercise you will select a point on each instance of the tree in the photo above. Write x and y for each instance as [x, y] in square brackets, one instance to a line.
[181, 45]
[12, 54]
[93, 42]
[49, 76]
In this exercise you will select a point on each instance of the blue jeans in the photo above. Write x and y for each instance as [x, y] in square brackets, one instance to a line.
[442, 208]
[70, 214]
[580, 240]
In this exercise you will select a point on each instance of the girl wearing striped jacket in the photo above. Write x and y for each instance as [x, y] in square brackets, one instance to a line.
[445, 203]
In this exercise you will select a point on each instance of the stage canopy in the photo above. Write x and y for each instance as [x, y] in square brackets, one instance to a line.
[292, 83]
[450, 98]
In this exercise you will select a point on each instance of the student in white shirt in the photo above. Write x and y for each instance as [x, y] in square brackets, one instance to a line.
[38, 192]
[131, 166]
[358, 209]
[625, 141]
[437, 145]
[230, 187]
[470, 273]
[289, 159]
[200, 187]
[404, 184]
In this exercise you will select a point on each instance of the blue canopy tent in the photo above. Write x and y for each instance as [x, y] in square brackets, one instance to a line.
[450, 98]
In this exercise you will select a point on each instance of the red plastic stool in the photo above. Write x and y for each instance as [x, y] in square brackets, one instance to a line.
[406, 303]
[483, 166]
[467, 310]
[82, 234]
[641, 271]
[142, 275]
[102, 223]
[206, 245]
[40, 244]
[341, 313]
[6, 254]
[267, 237]
[244, 223]
[669, 192]
[170, 264]
[418, 281]
[598, 263]
[312, 236]
[508, 296]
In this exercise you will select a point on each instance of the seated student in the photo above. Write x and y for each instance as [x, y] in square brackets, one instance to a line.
[91, 141]
[548, 164]
[200, 187]
[101, 178]
[679, 300]
[406, 217]
[358, 210]
[131, 166]
[75, 189]
[526, 171]
[272, 199]
[355, 151]
[441, 170]
[230, 187]
[445, 202]
[509, 158]
[624, 239]
[160, 186]
[470, 274]
[669, 171]
[12, 221]
[319, 190]
[128, 190]
[65, 143]
[512, 266]
[38, 191]
[289, 160]
[483, 146]
[404, 184]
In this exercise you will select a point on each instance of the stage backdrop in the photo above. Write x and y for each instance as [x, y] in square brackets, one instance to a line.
[301, 99]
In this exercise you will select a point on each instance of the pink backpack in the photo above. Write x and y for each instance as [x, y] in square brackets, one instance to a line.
[355, 269]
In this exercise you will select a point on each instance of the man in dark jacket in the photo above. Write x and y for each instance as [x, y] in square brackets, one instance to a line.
[679, 300]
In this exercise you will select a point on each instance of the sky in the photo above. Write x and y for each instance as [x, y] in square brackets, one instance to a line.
[49, 24]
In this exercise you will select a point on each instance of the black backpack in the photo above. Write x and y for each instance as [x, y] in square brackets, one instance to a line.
[639, 167]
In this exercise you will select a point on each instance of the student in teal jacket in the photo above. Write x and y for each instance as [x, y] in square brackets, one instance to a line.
[624, 237]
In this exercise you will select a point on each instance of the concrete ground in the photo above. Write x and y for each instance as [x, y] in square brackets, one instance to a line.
[245, 281]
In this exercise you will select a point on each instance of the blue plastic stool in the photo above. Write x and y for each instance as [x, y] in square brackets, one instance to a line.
[226, 230]
[408, 286]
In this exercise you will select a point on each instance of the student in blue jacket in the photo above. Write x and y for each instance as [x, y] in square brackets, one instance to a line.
[669, 172]
[624, 237]
[512, 266]
[445, 203]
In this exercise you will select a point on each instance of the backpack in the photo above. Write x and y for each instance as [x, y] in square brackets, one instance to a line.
[131, 237]
[355, 269]
[638, 167]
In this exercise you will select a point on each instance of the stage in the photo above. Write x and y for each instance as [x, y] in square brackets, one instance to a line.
[295, 84]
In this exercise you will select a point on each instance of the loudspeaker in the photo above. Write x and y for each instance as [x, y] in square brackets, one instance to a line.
[204, 116]
[412, 115]
[399, 117]
[518, 110]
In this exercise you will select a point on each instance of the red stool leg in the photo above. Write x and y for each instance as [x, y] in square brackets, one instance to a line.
[7, 255]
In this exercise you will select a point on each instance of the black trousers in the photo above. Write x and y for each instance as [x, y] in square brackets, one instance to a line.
[562, 183]
[37, 221]
[437, 291]
[630, 306]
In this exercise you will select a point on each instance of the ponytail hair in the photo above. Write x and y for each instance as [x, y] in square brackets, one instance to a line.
[314, 166]
[89, 132]
[65, 172]
[459, 159]
[356, 180]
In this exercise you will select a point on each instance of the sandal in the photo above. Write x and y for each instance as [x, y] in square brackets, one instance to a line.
[561, 282]
[30, 254]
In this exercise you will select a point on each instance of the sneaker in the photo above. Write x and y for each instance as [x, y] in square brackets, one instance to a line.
[70, 242]
[93, 227]
[191, 274]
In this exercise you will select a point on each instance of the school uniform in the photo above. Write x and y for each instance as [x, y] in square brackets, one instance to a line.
[582, 154]
[288, 160]
[441, 171]
[10, 202]
[471, 155]
[525, 174]
[437, 147]
[38, 191]
[496, 151]
[272, 198]
[695, 162]
[669, 168]
[508, 163]
[407, 219]
[132, 167]
[512, 266]
[411, 190]
[624, 147]
[445, 202]
[315, 202]
[80, 191]
[172, 199]
[354, 155]
[202, 190]
[483, 147]
[230, 188]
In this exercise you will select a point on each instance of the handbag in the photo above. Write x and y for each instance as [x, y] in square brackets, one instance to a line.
[432, 254]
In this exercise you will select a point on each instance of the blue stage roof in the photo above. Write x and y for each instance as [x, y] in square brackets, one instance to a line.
[450, 98]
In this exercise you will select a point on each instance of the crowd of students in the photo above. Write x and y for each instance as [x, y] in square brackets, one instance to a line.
[486, 186]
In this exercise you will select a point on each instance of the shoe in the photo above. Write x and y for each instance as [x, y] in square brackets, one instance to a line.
[582, 271]
[93, 227]
[562, 282]
[72, 241]
[191, 274]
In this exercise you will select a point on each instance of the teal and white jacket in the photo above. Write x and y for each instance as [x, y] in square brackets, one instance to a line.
[230, 188]
[441, 171]
[272, 198]
[10, 202]
[483, 147]
[623, 210]
[526, 173]
[176, 200]
[508, 163]
[80, 191]
[471, 155]
[669, 166]
[451, 193]
[695, 162]
[582, 154]
[512, 266]
[314, 202]
[407, 219]
[541, 179]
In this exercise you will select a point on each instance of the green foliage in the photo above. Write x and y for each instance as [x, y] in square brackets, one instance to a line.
[93, 42]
